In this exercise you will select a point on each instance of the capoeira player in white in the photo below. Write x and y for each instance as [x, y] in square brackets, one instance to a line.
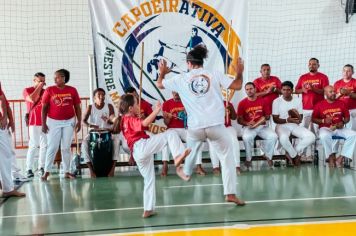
[143, 147]
[200, 91]
[97, 116]
[287, 125]
[5, 153]
[252, 113]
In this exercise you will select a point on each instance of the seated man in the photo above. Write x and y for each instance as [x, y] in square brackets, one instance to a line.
[97, 116]
[175, 119]
[331, 115]
[252, 114]
[287, 125]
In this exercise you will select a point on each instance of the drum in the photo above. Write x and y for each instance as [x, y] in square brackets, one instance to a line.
[100, 151]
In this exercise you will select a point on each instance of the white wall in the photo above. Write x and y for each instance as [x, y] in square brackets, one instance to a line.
[46, 35]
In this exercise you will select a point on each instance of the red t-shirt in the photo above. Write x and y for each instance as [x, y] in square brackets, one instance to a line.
[132, 130]
[35, 113]
[174, 107]
[61, 102]
[145, 108]
[336, 110]
[252, 110]
[309, 99]
[351, 85]
[228, 120]
[264, 84]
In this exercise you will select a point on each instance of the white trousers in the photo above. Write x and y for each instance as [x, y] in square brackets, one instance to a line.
[182, 133]
[143, 151]
[266, 133]
[222, 144]
[116, 147]
[325, 135]
[307, 121]
[60, 133]
[305, 136]
[352, 122]
[235, 149]
[38, 141]
[6, 159]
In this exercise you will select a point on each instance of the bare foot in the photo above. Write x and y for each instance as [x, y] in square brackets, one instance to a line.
[236, 200]
[339, 161]
[181, 174]
[297, 160]
[179, 159]
[289, 160]
[44, 177]
[238, 170]
[248, 164]
[200, 170]
[216, 171]
[14, 193]
[164, 169]
[270, 163]
[69, 176]
[147, 214]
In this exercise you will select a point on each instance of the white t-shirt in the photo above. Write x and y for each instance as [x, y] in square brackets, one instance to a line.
[281, 107]
[96, 116]
[200, 92]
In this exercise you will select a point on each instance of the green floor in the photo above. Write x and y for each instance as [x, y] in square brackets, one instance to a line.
[107, 205]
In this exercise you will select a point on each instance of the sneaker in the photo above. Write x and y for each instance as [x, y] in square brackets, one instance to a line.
[30, 174]
[17, 177]
[41, 171]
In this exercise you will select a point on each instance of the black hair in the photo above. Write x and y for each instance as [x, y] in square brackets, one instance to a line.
[197, 55]
[98, 90]
[265, 65]
[350, 66]
[126, 101]
[40, 74]
[250, 83]
[288, 83]
[314, 59]
[64, 73]
[130, 90]
[195, 29]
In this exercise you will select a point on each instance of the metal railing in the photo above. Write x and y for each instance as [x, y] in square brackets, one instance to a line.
[21, 136]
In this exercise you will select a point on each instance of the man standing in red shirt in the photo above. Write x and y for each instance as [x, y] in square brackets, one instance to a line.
[331, 115]
[37, 138]
[252, 114]
[267, 86]
[345, 89]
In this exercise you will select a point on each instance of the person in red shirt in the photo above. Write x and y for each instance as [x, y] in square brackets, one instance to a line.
[345, 89]
[146, 108]
[37, 139]
[267, 86]
[331, 115]
[252, 114]
[6, 156]
[60, 107]
[230, 114]
[143, 147]
[175, 118]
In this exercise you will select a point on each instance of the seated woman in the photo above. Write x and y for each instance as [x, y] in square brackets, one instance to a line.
[99, 118]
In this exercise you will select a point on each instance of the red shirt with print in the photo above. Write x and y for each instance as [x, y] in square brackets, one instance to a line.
[252, 110]
[263, 85]
[318, 80]
[336, 110]
[132, 130]
[61, 102]
[145, 108]
[351, 86]
[35, 113]
[174, 107]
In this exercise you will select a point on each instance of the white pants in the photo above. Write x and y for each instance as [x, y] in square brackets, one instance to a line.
[6, 159]
[222, 144]
[305, 136]
[348, 149]
[38, 140]
[352, 122]
[307, 121]
[115, 144]
[266, 133]
[182, 133]
[143, 151]
[235, 145]
[59, 132]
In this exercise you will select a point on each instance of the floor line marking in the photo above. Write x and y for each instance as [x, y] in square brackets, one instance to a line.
[181, 205]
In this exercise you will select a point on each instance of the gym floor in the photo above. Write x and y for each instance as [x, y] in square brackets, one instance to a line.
[281, 201]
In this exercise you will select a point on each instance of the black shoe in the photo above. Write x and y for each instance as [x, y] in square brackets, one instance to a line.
[30, 174]
[41, 172]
